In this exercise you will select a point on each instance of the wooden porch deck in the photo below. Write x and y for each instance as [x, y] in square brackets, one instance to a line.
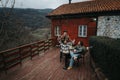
[48, 67]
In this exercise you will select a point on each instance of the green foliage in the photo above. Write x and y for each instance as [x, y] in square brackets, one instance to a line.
[106, 53]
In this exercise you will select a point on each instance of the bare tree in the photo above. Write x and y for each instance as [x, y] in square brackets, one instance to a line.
[12, 30]
[4, 14]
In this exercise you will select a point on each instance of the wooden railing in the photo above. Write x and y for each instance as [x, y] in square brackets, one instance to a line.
[12, 57]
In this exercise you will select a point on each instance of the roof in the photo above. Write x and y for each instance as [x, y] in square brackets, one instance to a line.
[86, 7]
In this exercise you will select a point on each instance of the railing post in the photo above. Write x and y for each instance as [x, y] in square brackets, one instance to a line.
[50, 43]
[31, 51]
[45, 45]
[20, 56]
[37, 47]
[4, 63]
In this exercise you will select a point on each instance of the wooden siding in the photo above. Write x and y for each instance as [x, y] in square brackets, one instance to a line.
[71, 25]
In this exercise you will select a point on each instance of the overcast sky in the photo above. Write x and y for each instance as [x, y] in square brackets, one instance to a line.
[41, 4]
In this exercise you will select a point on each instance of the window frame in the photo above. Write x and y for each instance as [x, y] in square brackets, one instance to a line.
[82, 31]
[57, 31]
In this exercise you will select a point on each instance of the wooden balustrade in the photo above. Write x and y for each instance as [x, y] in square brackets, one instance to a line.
[12, 57]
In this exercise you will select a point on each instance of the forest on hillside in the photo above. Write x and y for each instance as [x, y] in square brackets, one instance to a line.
[22, 26]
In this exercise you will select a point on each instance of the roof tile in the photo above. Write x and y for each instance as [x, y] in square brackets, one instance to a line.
[86, 7]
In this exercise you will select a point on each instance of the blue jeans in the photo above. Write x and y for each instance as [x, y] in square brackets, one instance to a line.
[72, 58]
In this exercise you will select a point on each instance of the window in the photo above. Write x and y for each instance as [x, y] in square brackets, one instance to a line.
[57, 31]
[82, 31]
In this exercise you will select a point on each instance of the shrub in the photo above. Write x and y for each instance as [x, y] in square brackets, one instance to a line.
[106, 54]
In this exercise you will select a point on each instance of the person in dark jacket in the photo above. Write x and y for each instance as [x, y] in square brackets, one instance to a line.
[79, 48]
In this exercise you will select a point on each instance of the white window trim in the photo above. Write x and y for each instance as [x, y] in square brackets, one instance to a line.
[82, 30]
[55, 31]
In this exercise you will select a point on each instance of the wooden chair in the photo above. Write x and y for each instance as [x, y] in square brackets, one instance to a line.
[81, 57]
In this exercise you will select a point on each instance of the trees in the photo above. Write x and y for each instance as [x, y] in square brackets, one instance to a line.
[12, 30]
[15, 25]
[4, 19]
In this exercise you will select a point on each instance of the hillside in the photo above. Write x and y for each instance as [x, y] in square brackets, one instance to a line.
[34, 18]
[23, 26]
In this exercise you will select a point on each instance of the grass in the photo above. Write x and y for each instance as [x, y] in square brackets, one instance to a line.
[41, 33]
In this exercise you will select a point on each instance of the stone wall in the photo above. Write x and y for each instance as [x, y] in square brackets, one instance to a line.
[109, 26]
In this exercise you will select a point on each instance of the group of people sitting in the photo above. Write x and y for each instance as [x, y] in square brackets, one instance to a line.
[68, 46]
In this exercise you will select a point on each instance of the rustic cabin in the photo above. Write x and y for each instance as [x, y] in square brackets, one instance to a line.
[84, 19]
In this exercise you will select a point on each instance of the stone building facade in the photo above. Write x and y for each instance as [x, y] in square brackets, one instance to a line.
[109, 26]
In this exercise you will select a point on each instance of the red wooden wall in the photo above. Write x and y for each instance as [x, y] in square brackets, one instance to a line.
[71, 26]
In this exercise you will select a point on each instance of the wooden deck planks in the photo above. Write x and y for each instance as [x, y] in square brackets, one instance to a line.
[48, 67]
